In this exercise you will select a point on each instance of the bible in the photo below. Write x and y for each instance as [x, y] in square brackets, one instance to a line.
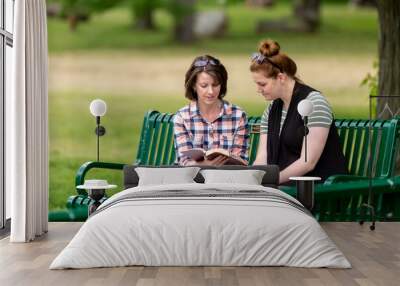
[199, 154]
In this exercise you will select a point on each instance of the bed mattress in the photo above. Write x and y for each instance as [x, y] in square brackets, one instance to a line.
[201, 225]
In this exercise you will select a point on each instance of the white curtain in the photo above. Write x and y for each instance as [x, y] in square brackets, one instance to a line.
[27, 124]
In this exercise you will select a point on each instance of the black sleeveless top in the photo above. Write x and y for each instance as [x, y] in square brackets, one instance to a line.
[285, 148]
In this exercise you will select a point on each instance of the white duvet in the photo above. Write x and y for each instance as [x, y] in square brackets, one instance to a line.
[185, 230]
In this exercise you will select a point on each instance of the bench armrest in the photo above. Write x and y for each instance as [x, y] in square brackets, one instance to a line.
[345, 201]
[81, 173]
[381, 185]
[384, 185]
[343, 178]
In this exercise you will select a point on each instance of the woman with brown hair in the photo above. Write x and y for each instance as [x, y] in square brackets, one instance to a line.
[282, 127]
[208, 121]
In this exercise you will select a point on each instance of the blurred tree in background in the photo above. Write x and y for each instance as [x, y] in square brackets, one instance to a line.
[306, 18]
[389, 56]
[361, 3]
[143, 13]
[80, 10]
[183, 12]
[260, 3]
[306, 13]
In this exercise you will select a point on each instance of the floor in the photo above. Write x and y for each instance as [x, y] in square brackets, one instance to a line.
[374, 255]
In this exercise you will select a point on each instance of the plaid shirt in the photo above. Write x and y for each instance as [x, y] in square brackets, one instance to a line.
[229, 131]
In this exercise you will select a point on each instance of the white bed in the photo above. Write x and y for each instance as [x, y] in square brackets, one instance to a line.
[224, 225]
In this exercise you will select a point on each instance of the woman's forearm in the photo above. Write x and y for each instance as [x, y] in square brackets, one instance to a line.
[296, 169]
[261, 158]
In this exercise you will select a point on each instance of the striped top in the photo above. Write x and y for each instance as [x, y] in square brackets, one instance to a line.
[320, 117]
[229, 131]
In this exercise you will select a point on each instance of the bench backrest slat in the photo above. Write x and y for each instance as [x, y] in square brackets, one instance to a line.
[154, 140]
[359, 148]
[156, 145]
[254, 127]
[169, 155]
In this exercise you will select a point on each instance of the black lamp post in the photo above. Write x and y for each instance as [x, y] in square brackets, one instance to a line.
[305, 108]
[305, 185]
[98, 108]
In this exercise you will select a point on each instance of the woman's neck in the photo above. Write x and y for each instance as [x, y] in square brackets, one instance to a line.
[288, 93]
[210, 112]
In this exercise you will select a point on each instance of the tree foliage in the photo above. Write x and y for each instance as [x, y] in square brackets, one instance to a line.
[371, 80]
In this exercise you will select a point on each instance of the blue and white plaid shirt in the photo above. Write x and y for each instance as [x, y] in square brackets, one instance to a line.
[229, 131]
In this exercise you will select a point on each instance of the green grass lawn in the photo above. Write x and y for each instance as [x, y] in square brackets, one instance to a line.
[344, 31]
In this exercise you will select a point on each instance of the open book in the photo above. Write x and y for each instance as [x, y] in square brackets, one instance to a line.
[199, 154]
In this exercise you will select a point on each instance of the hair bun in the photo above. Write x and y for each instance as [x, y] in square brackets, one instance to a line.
[269, 48]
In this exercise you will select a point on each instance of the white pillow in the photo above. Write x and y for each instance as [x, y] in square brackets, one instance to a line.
[165, 176]
[249, 177]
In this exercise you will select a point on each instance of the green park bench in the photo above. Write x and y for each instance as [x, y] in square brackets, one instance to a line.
[339, 198]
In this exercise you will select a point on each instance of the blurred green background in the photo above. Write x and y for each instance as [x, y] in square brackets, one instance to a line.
[136, 70]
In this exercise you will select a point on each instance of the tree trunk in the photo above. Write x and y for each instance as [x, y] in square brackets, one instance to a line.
[308, 14]
[260, 3]
[389, 58]
[389, 62]
[143, 12]
[184, 21]
[145, 21]
[307, 19]
[363, 3]
[72, 22]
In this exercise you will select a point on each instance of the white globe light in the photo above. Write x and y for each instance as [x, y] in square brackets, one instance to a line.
[305, 107]
[98, 107]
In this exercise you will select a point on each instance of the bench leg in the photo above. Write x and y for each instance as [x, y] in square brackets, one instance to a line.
[368, 206]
